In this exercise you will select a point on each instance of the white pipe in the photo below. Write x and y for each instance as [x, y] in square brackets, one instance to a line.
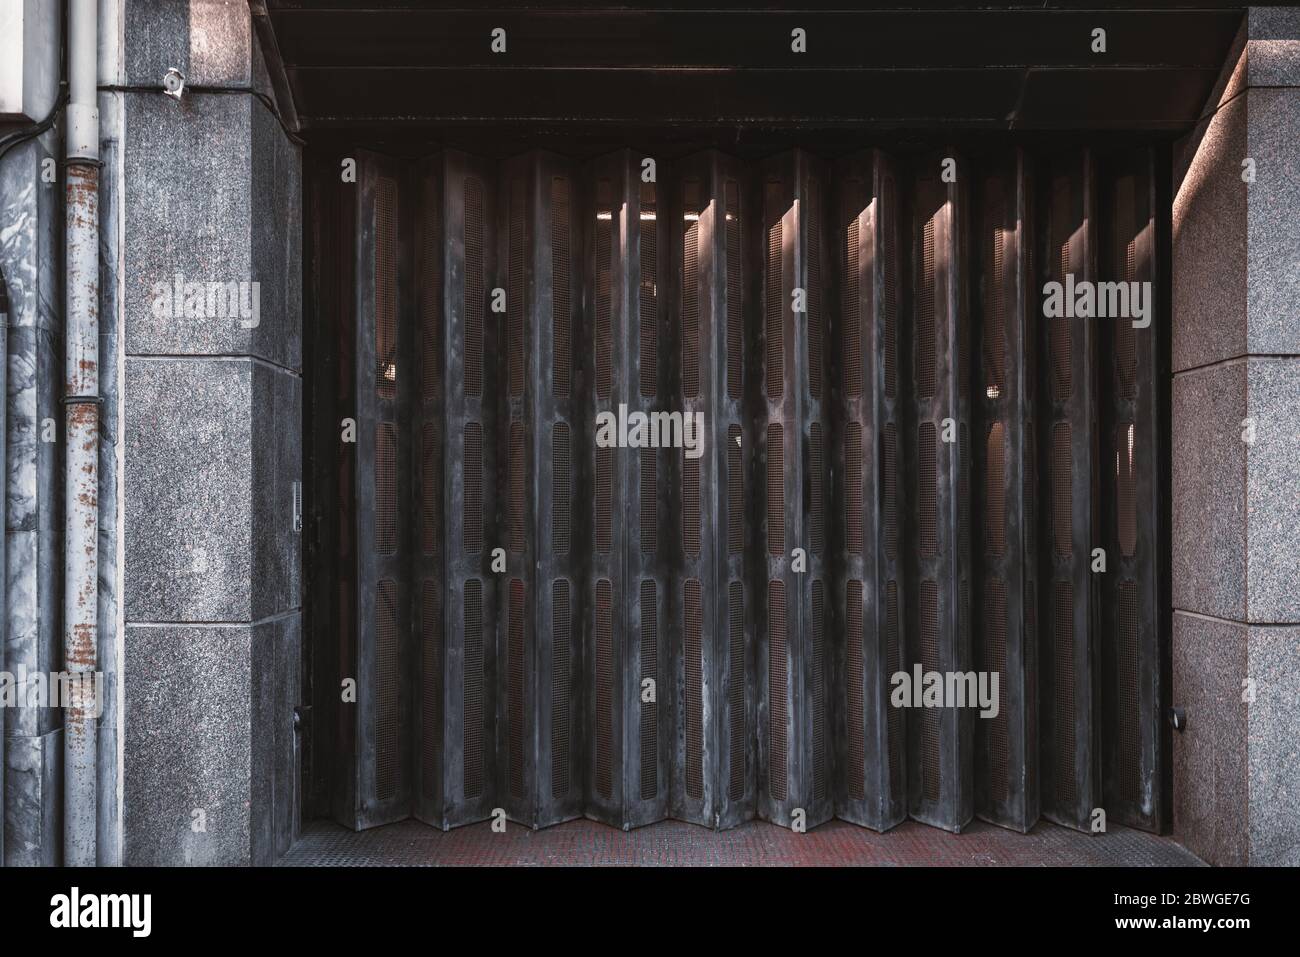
[81, 418]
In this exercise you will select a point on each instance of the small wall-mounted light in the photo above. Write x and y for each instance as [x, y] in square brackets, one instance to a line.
[174, 83]
[1179, 718]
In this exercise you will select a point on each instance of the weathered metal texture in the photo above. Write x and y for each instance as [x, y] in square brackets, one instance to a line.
[628, 687]
[456, 525]
[1069, 518]
[1132, 604]
[940, 783]
[331, 492]
[797, 616]
[81, 438]
[711, 622]
[543, 605]
[81, 510]
[870, 744]
[1005, 548]
[896, 342]
[382, 526]
[4, 502]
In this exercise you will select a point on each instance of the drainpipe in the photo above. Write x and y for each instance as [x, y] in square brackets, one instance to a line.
[81, 419]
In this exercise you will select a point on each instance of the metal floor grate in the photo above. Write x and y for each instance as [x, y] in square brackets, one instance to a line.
[676, 843]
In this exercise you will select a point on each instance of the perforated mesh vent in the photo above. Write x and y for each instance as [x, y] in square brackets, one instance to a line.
[387, 750]
[819, 689]
[649, 297]
[518, 473]
[775, 489]
[1032, 704]
[386, 488]
[515, 685]
[690, 320]
[561, 683]
[778, 665]
[894, 716]
[774, 295]
[1062, 490]
[1031, 481]
[963, 492]
[929, 716]
[1063, 686]
[925, 311]
[927, 481]
[430, 487]
[430, 280]
[995, 509]
[735, 492]
[853, 489]
[561, 305]
[735, 302]
[995, 650]
[816, 467]
[889, 282]
[1001, 233]
[1062, 225]
[1126, 269]
[1128, 674]
[473, 687]
[431, 657]
[474, 286]
[386, 287]
[1059, 337]
[604, 687]
[694, 663]
[853, 682]
[649, 672]
[889, 470]
[1126, 488]
[515, 304]
[604, 499]
[649, 500]
[814, 291]
[561, 488]
[604, 287]
[690, 505]
[736, 689]
[850, 294]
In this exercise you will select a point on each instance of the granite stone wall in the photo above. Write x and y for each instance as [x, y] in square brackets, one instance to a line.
[1236, 456]
[211, 448]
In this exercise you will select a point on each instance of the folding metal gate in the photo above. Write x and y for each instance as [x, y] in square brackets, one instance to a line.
[903, 463]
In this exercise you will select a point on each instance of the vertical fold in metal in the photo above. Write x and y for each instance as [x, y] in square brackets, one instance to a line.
[453, 432]
[546, 495]
[628, 733]
[713, 766]
[940, 745]
[384, 383]
[797, 613]
[1006, 783]
[1130, 468]
[870, 755]
[1067, 450]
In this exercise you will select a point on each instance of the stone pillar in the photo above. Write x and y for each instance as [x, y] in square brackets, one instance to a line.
[1236, 456]
[212, 429]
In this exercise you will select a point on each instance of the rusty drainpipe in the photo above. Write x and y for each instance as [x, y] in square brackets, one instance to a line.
[81, 417]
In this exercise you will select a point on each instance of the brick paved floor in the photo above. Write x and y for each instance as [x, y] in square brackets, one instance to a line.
[755, 844]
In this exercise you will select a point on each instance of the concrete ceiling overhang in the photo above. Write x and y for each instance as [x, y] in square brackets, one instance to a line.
[961, 66]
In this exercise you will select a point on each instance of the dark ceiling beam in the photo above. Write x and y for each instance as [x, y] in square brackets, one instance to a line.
[416, 39]
[982, 66]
